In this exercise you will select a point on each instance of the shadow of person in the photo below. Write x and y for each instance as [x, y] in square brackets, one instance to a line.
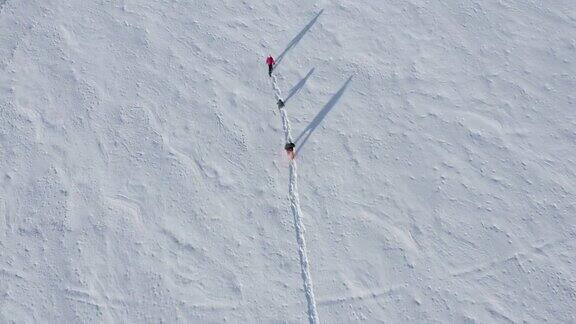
[295, 89]
[321, 115]
[298, 37]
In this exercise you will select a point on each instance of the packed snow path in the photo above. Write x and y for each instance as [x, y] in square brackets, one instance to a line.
[297, 212]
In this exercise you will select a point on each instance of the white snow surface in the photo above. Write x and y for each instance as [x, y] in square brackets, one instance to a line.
[143, 176]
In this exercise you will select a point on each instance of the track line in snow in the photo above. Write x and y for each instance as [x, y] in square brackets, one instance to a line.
[297, 213]
[277, 93]
[300, 231]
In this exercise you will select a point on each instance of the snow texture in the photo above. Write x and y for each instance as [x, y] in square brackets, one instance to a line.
[143, 177]
[297, 212]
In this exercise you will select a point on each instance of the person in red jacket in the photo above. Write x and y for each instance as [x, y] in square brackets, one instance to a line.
[270, 62]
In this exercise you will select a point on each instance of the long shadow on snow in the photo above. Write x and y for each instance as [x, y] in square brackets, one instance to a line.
[295, 89]
[298, 37]
[321, 115]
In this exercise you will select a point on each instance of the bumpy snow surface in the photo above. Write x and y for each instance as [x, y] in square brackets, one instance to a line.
[143, 176]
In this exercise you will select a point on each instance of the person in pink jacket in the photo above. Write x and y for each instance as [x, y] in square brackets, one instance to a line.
[270, 62]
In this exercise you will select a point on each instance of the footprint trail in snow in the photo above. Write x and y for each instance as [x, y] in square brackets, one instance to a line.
[297, 213]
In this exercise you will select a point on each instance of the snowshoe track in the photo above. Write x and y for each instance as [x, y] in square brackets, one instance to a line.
[297, 213]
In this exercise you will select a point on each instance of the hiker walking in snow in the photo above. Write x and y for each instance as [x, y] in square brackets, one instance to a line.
[270, 62]
[289, 147]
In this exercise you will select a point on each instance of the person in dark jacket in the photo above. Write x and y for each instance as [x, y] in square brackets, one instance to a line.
[289, 147]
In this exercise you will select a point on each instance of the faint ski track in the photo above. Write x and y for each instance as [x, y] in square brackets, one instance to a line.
[297, 212]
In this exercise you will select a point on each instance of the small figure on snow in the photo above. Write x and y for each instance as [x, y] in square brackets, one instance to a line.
[289, 147]
[270, 62]
[280, 103]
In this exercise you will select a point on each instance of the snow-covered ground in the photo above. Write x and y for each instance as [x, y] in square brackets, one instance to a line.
[143, 176]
